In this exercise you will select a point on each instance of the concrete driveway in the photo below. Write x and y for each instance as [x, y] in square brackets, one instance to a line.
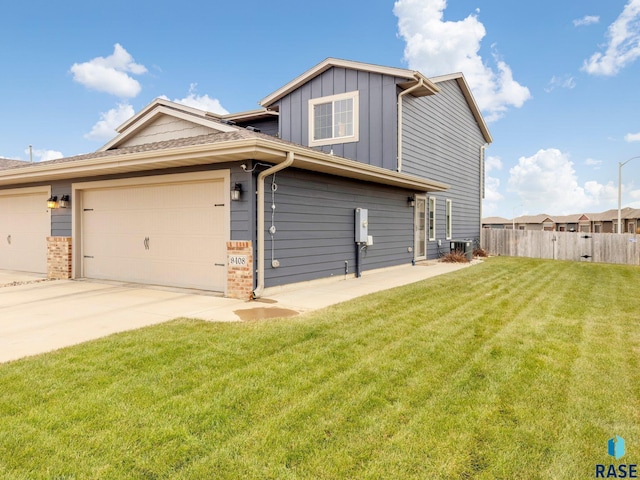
[47, 315]
[39, 315]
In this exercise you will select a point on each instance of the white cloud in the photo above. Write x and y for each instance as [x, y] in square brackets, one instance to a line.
[40, 155]
[105, 128]
[632, 137]
[492, 195]
[201, 102]
[565, 81]
[593, 163]
[547, 182]
[110, 74]
[586, 21]
[635, 195]
[623, 45]
[436, 47]
[492, 163]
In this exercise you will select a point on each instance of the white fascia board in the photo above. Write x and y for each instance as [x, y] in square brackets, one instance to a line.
[250, 114]
[155, 103]
[335, 62]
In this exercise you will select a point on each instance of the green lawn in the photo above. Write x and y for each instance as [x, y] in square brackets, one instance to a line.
[512, 369]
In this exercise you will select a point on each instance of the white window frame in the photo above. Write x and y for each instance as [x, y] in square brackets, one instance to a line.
[430, 210]
[449, 219]
[333, 139]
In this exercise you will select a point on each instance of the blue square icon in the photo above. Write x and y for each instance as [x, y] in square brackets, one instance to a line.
[616, 447]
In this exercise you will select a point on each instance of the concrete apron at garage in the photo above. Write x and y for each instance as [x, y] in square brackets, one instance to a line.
[39, 315]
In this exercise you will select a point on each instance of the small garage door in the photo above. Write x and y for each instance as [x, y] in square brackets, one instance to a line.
[162, 234]
[25, 224]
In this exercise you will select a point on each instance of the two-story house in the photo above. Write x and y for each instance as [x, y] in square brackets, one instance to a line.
[347, 168]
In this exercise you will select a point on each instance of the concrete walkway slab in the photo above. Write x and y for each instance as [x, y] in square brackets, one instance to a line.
[38, 316]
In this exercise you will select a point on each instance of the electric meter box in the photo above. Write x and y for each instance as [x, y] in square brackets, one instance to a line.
[362, 225]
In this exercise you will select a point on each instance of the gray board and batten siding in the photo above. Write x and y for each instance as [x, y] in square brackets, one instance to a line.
[314, 219]
[442, 141]
[378, 96]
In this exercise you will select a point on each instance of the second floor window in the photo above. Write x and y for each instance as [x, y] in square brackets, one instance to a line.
[333, 119]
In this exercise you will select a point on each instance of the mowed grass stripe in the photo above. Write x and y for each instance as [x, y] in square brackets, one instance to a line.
[501, 370]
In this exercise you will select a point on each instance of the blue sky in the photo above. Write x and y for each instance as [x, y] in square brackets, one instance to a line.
[557, 81]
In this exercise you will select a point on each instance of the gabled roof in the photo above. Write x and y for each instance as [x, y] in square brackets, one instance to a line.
[630, 214]
[466, 91]
[573, 218]
[534, 219]
[413, 78]
[604, 216]
[160, 107]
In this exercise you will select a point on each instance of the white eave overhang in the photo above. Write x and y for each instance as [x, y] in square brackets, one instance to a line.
[210, 153]
[258, 114]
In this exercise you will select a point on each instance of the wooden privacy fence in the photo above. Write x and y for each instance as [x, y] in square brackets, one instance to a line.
[578, 246]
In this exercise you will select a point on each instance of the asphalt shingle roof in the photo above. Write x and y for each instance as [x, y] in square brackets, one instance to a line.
[9, 163]
[211, 138]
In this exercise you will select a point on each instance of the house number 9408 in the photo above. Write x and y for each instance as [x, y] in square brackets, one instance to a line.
[238, 260]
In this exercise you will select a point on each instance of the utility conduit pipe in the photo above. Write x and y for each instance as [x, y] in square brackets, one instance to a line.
[260, 202]
[402, 94]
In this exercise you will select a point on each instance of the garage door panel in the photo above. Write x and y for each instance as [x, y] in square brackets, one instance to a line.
[189, 249]
[102, 223]
[183, 273]
[25, 224]
[165, 234]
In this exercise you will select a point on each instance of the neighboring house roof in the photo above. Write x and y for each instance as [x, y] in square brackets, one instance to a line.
[609, 215]
[413, 78]
[573, 218]
[627, 213]
[630, 214]
[218, 147]
[534, 219]
[9, 162]
[495, 221]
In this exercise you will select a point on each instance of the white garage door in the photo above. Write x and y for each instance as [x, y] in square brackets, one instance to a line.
[25, 224]
[162, 234]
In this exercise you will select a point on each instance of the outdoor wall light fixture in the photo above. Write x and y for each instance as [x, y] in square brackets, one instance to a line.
[236, 193]
[52, 202]
[64, 201]
[411, 201]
